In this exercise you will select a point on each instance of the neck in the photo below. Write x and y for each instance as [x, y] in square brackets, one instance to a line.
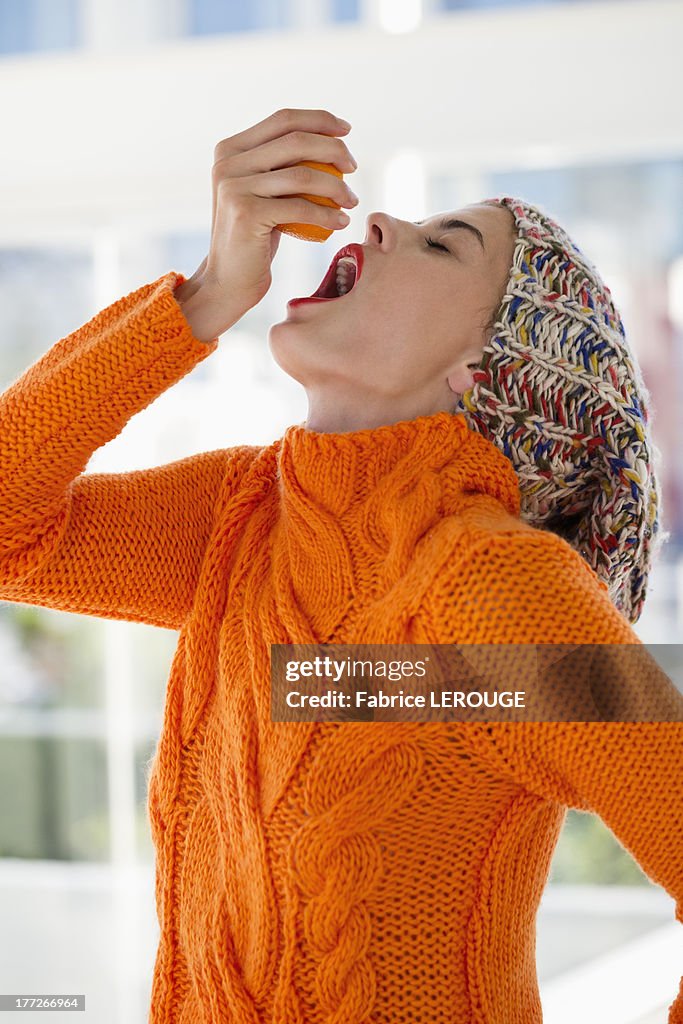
[334, 416]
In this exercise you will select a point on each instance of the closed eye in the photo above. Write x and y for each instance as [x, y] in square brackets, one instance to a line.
[431, 244]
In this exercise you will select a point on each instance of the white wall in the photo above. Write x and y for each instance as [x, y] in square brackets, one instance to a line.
[127, 135]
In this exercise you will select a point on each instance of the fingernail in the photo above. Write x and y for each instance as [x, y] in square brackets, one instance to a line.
[343, 123]
[343, 218]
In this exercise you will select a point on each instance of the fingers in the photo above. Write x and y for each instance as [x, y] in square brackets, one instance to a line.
[288, 150]
[302, 211]
[289, 181]
[281, 123]
[303, 130]
[252, 215]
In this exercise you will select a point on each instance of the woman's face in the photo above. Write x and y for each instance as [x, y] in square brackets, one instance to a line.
[405, 340]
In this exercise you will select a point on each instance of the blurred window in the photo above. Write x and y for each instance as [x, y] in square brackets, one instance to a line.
[55, 797]
[49, 660]
[588, 852]
[210, 17]
[27, 26]
[462, 5]
[344, 10]
[45, 293]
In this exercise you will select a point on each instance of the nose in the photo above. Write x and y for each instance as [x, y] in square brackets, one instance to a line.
[381, 230]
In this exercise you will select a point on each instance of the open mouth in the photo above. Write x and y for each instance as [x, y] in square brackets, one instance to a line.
[342, 277]
[343, 274]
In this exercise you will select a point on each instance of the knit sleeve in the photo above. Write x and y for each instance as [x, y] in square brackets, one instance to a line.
[537, 590]
[114, 545]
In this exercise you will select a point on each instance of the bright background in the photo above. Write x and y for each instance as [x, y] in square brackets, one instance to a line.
[110, 113]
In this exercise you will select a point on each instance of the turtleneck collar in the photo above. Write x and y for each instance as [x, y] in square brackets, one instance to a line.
[338, 471]
[356, 506]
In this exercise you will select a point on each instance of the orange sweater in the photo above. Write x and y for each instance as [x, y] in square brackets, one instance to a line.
[326, 873]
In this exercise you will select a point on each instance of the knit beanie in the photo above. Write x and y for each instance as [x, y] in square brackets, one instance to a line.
[560, 393]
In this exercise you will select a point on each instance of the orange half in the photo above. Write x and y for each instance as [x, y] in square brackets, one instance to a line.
[312, 232]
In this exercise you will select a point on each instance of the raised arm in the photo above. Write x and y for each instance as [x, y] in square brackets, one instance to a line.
[115, 545]
[130, 546]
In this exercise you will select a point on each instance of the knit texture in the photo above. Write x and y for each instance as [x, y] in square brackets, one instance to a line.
[326, 873]
[561, 393]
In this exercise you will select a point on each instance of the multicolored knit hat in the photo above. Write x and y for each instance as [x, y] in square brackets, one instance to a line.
[560, 393]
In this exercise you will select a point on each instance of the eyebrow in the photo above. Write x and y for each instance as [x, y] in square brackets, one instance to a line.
[449, 224]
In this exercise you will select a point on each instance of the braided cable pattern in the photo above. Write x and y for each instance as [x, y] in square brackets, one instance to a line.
[336, 860]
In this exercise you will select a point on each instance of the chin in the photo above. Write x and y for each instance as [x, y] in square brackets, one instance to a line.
[297, 332]
[287, 357]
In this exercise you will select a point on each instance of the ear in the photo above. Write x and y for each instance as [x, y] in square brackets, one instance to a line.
[461, 378]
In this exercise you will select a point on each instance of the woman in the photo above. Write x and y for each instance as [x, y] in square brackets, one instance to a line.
[327, 872]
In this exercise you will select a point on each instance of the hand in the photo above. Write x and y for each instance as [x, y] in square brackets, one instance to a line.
[253, 173]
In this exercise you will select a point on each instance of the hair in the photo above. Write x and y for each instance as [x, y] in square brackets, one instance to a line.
[560, 392]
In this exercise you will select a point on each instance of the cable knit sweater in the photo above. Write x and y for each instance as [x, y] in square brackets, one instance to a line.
[322, 872]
